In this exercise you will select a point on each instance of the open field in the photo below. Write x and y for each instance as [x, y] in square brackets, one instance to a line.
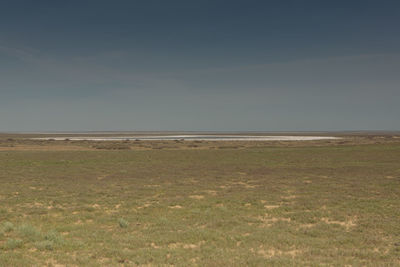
[200, 203]
[192, 137]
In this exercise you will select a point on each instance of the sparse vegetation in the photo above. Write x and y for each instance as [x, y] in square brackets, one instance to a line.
[7, 227]
[113, 146]
[13, 243]
[54, 237]
[257, 204]
[28, 236]
[29, 232]
[45, 245]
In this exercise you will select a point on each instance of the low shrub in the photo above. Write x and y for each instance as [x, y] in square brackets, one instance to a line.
[29, 232]
[54, 237]
[45, 245]
[7, 227]
[123, 223]
[13, 243]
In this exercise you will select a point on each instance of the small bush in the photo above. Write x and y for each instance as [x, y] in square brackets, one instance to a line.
[29, 232]
[45, 245]
[123, 223]
[13, 243]
[8, 227]
[54, 237]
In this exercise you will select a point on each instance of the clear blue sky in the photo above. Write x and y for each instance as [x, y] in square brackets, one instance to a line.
[199, 65]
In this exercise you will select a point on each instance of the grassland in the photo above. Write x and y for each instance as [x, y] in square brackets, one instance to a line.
[133, 203]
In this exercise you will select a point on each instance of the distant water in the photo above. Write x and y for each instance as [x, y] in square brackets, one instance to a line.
[195, 138]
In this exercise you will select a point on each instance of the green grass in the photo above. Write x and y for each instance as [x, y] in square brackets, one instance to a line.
[254, 205]
[123, 223]
[7, 227]
[12, 244]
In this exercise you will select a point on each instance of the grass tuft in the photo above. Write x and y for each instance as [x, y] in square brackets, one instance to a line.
[54, 237]
[123, 223]
[29, 232]
[8, 227]
[45, 245]
[13, 243]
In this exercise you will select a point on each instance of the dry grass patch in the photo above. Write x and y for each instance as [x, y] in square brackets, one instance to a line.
[197, 197]
[272, 252]
[175, 207]
[347, 224]
[271, 207]
[267, 220]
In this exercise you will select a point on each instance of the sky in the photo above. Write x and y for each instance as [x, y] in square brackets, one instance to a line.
[199, 65]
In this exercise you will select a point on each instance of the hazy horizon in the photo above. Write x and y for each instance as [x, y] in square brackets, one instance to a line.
[267, 66]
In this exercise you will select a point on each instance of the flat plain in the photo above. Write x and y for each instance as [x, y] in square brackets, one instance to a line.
[200, 203]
